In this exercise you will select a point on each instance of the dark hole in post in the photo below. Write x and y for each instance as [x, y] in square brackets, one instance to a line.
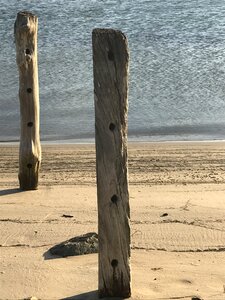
[28, 52]
[30, 124]
[29, 90]
[112, 126]
[114, 199]
[29, 166]
[110, 55]
[114, 263]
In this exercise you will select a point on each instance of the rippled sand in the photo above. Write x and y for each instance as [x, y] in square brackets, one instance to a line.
[177, 199]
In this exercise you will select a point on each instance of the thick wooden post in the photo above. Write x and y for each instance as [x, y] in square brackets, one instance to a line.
[110, 61]
[26, 26]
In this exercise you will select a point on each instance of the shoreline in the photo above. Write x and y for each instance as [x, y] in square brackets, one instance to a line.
[130, 141]
[181, 132]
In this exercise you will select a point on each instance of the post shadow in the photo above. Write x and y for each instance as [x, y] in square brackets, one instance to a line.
[10, 191]
[93, 295]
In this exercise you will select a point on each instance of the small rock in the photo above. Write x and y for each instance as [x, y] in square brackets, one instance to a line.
[67, 216]
[83, 244]
[156, 269]
[164, 215]
[196, 298]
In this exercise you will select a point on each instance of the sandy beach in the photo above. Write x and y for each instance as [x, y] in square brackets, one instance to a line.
[177, 200]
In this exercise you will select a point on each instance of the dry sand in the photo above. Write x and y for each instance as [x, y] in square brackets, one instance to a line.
[177, 199]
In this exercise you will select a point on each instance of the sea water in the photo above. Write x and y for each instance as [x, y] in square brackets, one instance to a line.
[177, 67]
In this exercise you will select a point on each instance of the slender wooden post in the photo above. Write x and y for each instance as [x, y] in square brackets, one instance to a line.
[26, 26]
[110, 61]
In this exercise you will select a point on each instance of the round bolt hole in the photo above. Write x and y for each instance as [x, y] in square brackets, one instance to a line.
[30, 124]
[112, 126]
[114, 263]
[28, 52]
[29, 166]
[114, 199]
[110, 55]
[29, 90]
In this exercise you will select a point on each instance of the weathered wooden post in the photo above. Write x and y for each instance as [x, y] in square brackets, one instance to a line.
[26, 26]
[110, 62]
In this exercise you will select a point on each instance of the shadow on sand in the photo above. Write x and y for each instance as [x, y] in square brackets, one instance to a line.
[89, 296]
[85, 296]
[10, 191]
[47, 255]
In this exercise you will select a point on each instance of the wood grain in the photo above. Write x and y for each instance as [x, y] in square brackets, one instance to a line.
[110, 61]
[26, 27]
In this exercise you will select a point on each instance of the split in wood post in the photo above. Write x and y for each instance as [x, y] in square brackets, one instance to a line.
[26, 26]
[110, 62]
